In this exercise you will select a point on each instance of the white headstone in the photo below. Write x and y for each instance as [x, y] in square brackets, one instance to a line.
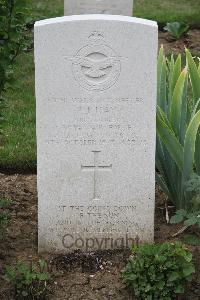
[96, 103]
[113, 7]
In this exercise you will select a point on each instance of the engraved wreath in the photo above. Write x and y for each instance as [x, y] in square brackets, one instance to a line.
[96, 65]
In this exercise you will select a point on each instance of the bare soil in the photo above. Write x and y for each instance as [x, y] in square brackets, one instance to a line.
[94, 276]
[191, 40]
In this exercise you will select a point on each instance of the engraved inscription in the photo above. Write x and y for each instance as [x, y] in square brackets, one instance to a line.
[97, 121]
[97, 99]
[95, 214]
[95, 168]
[96, 66]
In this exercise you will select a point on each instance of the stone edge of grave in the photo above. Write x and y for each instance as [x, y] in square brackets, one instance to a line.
[96, 17]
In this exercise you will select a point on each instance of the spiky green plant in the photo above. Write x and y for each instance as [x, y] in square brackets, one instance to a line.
[178, 120]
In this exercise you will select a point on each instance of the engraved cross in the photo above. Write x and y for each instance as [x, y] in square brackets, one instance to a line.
[95, 168]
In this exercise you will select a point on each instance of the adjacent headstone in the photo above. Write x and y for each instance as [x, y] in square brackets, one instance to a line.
[112, 7]
[96, 104]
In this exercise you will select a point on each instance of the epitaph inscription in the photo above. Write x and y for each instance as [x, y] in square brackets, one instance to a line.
[96, 94]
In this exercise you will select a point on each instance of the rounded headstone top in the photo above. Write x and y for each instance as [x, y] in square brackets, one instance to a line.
[95, 17]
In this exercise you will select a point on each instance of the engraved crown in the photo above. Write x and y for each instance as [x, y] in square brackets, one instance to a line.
[96, 36]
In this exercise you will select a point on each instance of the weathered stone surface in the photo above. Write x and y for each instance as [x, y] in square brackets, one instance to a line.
[112, 7]
[96, 103]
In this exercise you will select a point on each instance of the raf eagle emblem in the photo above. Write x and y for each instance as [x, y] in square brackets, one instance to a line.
[96, 69]
[96, 66]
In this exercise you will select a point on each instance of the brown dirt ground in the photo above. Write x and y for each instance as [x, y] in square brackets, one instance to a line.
[191, 41]
[93, 277]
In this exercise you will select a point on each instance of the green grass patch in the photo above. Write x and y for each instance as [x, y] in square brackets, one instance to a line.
[46, 8]
[18, 150]
[187, 11]
[19, 146]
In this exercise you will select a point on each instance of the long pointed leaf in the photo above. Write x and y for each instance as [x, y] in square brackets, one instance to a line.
[166, 165]
[194, 75]
[189, 146]
[170, 141]
[170, 78]
[176, 72]
[197, 154]
[162, 185]
[189, 156]
[161, 78]
[176, 104]
[195, 109]
[184, 112]
[163, 116]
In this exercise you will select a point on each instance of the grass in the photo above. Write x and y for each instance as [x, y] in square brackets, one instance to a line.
[18, 152]
[47, 8]
[19, 147]
[164, 11]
